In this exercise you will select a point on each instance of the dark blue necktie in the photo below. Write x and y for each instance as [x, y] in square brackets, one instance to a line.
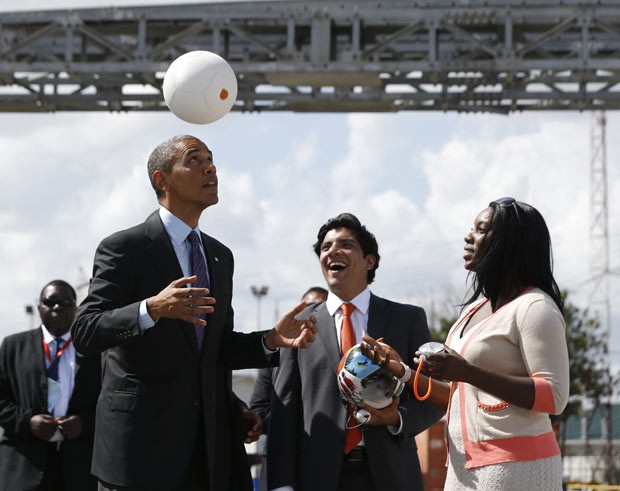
[52, 370]
[199, 268]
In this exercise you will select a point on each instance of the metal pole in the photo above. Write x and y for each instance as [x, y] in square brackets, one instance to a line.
[259, 292]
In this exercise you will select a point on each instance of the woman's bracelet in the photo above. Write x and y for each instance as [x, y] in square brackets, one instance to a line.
[407, 375]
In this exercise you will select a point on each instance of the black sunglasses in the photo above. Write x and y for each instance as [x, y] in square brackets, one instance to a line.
[51, 302]
[505, 203]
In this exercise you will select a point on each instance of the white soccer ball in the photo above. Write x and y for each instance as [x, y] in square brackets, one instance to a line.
[200, 87]
[361, 380]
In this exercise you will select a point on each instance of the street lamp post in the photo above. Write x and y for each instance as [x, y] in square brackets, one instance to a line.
[30, 313]
[259, 292]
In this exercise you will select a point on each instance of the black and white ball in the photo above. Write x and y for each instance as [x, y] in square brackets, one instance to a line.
[200, 87]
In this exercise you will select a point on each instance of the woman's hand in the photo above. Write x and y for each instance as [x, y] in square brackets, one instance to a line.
[382, 355]
[447, 365]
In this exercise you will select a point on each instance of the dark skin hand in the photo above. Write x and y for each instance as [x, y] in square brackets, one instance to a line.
[43, 426]
[252, 424]
[389, 359]
[176, 301]
[388, 416]
[290, 332]
[70, 426]
[449, 365]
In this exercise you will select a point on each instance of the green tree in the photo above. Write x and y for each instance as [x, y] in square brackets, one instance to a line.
[439, 332]
[591, 378]
[590, 373]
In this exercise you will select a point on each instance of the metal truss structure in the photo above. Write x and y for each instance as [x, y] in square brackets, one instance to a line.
[322, 56]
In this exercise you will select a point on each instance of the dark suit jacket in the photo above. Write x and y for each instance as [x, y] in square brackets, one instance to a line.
[23, 393]
[260, 402]
[306, 446]
[156, 384]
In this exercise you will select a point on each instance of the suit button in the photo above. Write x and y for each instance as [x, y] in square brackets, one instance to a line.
[196, 403]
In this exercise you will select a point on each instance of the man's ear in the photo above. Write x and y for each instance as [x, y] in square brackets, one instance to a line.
[159, 179]
[371, 260]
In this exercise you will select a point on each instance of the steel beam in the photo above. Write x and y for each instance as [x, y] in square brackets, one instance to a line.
[323, 56]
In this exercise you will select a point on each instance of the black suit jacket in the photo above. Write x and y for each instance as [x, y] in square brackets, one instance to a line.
[306, 446]
[156, 384]
[260, 402]
[23, 393]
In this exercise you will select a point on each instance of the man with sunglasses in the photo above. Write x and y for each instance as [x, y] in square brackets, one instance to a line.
[48, 396]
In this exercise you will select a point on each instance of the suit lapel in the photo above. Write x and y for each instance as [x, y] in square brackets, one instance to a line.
[378, 317]
[214, 264]
[36, 346]
[161, 250]
[165, 260]
[327, 335]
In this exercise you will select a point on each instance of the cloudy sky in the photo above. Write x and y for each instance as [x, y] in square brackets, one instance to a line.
[416, 180]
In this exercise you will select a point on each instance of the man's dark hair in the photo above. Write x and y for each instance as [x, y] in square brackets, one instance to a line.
[316, 289]
[364, 237]
[59, 283]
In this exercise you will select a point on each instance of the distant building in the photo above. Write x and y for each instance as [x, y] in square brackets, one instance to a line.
[588, 456]
[433, 455]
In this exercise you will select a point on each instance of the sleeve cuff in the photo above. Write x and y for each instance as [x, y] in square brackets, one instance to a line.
[396, 430]
[144, 319]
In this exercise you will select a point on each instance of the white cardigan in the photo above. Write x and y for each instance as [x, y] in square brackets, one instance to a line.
[525, 337]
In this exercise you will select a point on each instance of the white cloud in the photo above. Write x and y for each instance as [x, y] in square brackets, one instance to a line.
[416, 180]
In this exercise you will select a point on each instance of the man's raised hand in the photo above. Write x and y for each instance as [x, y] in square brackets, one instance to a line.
[177, 301]
[291, 332]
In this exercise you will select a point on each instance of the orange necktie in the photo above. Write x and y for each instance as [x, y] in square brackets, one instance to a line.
[347, 339]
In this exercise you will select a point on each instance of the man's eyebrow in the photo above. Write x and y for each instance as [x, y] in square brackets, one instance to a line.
[341, 240]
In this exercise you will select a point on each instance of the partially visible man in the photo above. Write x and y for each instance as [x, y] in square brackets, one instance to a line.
[48, 395]
[315, 443]
[160, 305]
[260, 402]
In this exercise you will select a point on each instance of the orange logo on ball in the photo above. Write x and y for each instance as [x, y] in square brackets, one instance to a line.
[223, 94]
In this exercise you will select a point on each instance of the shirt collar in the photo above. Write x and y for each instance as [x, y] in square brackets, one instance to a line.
[49, 337]
[176, 228]
[361, 302]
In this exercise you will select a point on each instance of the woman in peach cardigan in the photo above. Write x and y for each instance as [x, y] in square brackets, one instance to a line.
[505, 362]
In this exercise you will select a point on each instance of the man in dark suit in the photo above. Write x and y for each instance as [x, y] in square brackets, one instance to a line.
[159, 305]
[260, 402]
[48, 394]
[308, 449]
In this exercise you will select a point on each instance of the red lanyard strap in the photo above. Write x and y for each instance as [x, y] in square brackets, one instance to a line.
[48, 355]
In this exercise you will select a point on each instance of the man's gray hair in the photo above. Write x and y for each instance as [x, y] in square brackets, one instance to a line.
[161, 158]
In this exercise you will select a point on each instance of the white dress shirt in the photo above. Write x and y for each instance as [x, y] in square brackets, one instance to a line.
[66, 377]
[359, 317]
[178, 231]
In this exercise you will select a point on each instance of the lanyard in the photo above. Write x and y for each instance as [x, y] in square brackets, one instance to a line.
[48, 355]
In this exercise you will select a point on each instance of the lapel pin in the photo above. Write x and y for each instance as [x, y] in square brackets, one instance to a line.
[217, 259]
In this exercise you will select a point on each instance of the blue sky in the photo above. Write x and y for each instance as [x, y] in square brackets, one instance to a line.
[416, 180]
